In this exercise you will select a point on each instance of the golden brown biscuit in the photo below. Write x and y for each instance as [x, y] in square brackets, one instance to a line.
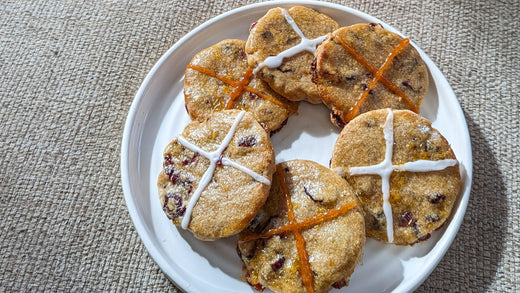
[402, 170]
[309, 235]
[216, 175]
[281, 48]
[219, 78]
[364, 67]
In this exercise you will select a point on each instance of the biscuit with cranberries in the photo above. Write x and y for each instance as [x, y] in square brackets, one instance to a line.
[243, 162]
[219, 78]
[310, 234]
[281, 48]
[346, 72]
[422, 173]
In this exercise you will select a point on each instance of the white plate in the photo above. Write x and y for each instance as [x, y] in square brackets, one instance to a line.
[157, 115]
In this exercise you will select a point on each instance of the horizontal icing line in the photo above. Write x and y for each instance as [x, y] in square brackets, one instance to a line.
[246, 170]
[385, 169]
[367, 170]
[415, 166]
[193, 147]
[426, 165]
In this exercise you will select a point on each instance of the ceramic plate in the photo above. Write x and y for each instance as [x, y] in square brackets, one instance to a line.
[157, 115]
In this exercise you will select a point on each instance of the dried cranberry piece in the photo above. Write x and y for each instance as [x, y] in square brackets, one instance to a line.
[407, 220]
[253, 96]
[364, 86]
[273, 221]
[253, 25]
[279, 128]
[187, 161]
[337, 120]
[314, 70]
[254, 224]
[258, 287]
[285, 70]
[174, 177]
[188, 184]
[278, 264]
[168, 160]
[340, 284]
[407, 84]
[242, 54]
[219, 161]
[169, 169]
[320, 201]
[433, 218]
[350, 78]
[267, 35]
[292, 41]
[421, 239]
[247, 141]
[436, 198]
[265, 127]
[179, 208]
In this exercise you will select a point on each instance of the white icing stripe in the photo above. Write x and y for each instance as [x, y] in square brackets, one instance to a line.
[304, 45]
[425, 165]
[193, 147]
[246, 170]
[385, 169]
[213, 158]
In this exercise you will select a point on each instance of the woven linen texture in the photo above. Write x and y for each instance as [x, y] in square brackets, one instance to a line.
[69, 72]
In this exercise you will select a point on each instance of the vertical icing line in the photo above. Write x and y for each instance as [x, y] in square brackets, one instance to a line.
[388, 131]
[304, 45]
[213, 157]
[385, 169]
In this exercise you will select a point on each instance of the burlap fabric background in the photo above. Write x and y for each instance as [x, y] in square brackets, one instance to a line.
[69, 72]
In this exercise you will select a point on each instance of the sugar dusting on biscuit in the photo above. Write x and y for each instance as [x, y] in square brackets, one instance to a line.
[385, 169]
[214, 158]
[304, 45]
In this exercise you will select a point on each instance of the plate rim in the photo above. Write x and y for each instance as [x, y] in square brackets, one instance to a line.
[439, 248]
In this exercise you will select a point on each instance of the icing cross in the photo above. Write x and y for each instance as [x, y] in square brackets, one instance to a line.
[296, 227]
[378, 76]
[385, 169]
[214, 157]
[241, 86]
[304, 45]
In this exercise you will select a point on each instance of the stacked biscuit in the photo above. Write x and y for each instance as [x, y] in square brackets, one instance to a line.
[302, 226]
